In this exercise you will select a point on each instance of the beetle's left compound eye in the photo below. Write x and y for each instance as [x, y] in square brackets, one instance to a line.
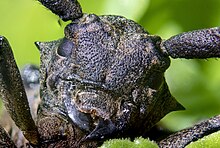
[65, 48]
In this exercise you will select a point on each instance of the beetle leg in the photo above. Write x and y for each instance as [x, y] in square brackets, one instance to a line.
[65, 9]
[13, 93]
[184, 137]
[203, 43]
[5, 140]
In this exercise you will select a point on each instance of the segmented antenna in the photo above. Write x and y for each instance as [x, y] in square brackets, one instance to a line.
[65, 9]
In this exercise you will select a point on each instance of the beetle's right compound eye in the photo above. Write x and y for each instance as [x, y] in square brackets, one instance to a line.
[65, 48]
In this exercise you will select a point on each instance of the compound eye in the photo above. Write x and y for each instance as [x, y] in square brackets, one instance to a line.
[66, 47]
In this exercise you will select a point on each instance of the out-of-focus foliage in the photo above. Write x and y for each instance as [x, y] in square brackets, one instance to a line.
[195, 83]
[25, 21]
[126, 143]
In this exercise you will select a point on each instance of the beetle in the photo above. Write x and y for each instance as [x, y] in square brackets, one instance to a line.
[106, 74]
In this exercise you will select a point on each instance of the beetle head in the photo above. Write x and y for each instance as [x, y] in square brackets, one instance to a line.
[98, 71]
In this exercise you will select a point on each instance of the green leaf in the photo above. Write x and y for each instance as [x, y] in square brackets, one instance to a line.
[126, 143]
[210, 141]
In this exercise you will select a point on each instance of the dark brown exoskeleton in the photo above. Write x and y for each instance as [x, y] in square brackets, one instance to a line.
[104, 79]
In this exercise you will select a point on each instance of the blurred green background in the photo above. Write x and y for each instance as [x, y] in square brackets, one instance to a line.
[194, 83]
